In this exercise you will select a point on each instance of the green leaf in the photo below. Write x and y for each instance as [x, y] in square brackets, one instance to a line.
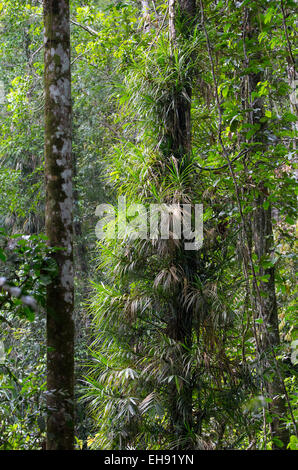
[2, 255]
[293, 444]
[289, 220]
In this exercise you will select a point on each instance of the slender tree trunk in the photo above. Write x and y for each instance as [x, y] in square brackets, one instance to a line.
[263, 242]
[177, 135]
[59, 226]
[81, 267]
[263, 246]
[146, 15]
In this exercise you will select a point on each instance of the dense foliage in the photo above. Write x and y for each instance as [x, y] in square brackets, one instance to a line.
[174, 102]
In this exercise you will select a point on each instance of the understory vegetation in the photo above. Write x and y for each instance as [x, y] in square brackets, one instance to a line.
[178, 102]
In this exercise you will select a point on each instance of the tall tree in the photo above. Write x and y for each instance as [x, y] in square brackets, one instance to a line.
[59, 225]
[177, 146]
[264, 246]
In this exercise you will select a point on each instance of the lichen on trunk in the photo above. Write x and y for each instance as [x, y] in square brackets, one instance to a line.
[59, 225]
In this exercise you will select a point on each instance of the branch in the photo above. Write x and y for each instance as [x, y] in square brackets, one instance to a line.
[34, 54]
[79, 56]
[214, 168]
[86, 28]
[287, 36]
[159, 30]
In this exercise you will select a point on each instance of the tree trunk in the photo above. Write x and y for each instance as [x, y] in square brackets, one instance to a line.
[59, 226]
[80, 250]
[263, 246]
[177, 134]
[146, 14]
[263, 242]
[177, 143]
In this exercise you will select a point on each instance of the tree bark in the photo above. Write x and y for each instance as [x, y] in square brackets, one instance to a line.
[263, 243]
[59, 225]
[146, 14]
